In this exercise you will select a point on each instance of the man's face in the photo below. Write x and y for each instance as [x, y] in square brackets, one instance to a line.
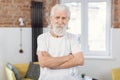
[59, 22]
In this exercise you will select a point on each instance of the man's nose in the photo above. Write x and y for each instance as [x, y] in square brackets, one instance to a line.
[60, 21]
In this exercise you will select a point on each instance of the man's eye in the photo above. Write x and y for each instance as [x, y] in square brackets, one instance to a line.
[57, 17]
[64, 18]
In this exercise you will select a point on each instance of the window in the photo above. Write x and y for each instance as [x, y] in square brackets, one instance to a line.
[91, 23]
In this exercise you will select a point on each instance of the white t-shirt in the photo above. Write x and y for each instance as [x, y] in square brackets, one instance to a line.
[58, 47]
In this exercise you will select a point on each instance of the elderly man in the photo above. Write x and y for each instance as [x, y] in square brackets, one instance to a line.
[58, 51]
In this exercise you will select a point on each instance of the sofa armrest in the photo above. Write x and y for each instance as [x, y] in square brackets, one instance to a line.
[10, 74]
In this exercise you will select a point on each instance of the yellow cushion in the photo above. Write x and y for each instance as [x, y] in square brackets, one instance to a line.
[22, 68]
[26, 79]
[116, 74]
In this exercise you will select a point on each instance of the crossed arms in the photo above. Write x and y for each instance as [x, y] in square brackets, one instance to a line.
[71, 60]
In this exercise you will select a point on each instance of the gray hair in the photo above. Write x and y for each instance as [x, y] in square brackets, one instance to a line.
[60, 7]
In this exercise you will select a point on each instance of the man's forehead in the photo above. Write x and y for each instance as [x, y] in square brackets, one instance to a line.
[61, 12]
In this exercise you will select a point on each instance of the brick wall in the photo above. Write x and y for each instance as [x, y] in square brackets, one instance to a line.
[12, 10]
[116, 13]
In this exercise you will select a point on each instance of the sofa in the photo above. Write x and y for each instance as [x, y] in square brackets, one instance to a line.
[22, 71]
[116, 74]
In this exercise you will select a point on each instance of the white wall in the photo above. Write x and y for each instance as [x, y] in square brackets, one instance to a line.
[9, 52]
[10, 45]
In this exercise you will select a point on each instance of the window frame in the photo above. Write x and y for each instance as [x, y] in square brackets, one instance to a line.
[84, 30]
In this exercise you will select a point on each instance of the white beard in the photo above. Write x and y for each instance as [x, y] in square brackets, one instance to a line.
[59, 30]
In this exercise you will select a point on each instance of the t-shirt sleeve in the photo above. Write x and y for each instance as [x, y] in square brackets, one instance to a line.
[41, 45]
[75, 45]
